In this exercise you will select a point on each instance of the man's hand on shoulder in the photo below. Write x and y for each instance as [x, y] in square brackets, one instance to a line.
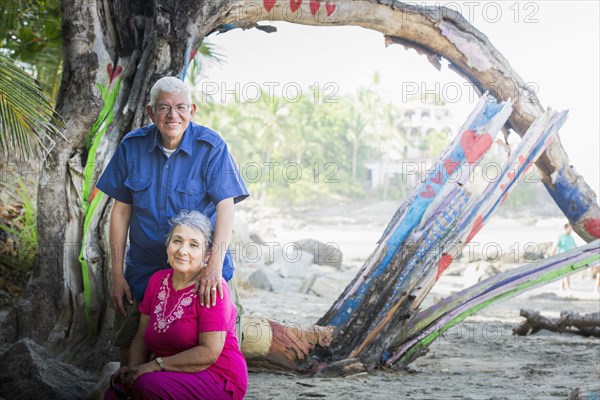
[209, 282]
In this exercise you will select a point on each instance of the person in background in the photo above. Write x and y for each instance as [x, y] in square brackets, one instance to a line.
[183, 350]
[596, 272]
[564, 243]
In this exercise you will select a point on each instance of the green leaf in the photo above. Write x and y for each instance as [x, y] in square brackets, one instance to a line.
[29, 124]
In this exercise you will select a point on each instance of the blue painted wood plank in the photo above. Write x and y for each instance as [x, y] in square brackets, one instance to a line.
[487, 118]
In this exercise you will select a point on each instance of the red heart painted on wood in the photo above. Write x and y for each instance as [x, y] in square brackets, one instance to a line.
[443, 263]
[428, 193]
[503, 186]
[112, 74]
[511, 175]
[269, 4]
[295, 5]
[118, 71]
[330, 7]
[450, 166]
[437, 178]
[475, 145]
[477, 225]
[314, 6]
[522, 161]
[592, 226]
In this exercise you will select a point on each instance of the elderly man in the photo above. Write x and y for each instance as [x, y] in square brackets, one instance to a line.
[157, 171]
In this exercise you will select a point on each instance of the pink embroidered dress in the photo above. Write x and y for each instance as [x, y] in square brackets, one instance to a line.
[176, 319]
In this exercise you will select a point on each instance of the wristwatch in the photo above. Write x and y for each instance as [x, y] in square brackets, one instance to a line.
[160, 363]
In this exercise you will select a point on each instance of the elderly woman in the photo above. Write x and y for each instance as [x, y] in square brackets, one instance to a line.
[183, 350]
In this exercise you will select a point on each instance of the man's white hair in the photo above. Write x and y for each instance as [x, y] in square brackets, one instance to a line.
[169, 84]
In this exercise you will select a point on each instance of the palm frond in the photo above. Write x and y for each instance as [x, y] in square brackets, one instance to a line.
[211, 52]
[29, 124]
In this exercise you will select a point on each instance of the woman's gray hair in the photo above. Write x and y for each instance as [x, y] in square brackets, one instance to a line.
[195, 220]
[169, 84]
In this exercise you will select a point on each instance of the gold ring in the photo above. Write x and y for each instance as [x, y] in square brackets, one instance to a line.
[213, 288]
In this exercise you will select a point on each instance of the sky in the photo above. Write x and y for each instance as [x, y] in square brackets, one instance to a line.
[552, 45]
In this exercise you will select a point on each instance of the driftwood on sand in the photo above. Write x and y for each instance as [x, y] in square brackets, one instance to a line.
[568, 322]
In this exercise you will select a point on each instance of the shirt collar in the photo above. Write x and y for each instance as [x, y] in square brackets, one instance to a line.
[184, 145]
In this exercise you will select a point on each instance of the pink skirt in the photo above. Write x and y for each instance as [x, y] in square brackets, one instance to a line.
[173, 385]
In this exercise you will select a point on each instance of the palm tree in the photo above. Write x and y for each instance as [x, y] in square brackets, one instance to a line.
[29, 124]
[30, 34]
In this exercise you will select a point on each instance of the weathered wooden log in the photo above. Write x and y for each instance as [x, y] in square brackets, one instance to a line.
[569, 322]
[405, 282]
[477, 212]
[532, 145]
[447, 177]
[426, 326]
[269, 344]
[580, 321]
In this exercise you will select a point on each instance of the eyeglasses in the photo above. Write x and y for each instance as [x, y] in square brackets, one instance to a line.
[179, 108]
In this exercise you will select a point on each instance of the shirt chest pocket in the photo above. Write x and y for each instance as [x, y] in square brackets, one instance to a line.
[140, 191]
[191, 193]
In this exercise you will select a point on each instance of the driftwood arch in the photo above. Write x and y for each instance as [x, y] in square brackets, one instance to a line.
[439, 32]
[115, 50]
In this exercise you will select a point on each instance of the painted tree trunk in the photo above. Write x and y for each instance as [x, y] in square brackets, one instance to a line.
[114, 51]
[365, 325]
[368, 300]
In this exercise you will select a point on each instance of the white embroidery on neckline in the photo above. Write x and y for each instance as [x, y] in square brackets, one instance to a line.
[163, 320]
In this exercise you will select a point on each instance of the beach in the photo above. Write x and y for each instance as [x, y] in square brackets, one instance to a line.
[477, 359]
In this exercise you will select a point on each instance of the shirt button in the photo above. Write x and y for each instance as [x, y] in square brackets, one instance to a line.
[167, 166]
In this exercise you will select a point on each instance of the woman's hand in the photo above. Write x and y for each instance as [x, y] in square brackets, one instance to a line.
[120, 374]
[135, 372]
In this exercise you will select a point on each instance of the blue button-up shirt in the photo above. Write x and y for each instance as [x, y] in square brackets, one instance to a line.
[198, 175]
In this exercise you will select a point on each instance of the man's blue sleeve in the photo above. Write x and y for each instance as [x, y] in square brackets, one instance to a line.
[223, 177]
[112, 181]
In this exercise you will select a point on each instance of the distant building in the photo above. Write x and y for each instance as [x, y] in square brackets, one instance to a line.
[409, 155]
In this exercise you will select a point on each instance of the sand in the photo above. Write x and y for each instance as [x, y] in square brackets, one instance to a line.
[477, 359]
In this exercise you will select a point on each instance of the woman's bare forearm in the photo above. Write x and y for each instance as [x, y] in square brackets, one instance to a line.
[197, 358]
